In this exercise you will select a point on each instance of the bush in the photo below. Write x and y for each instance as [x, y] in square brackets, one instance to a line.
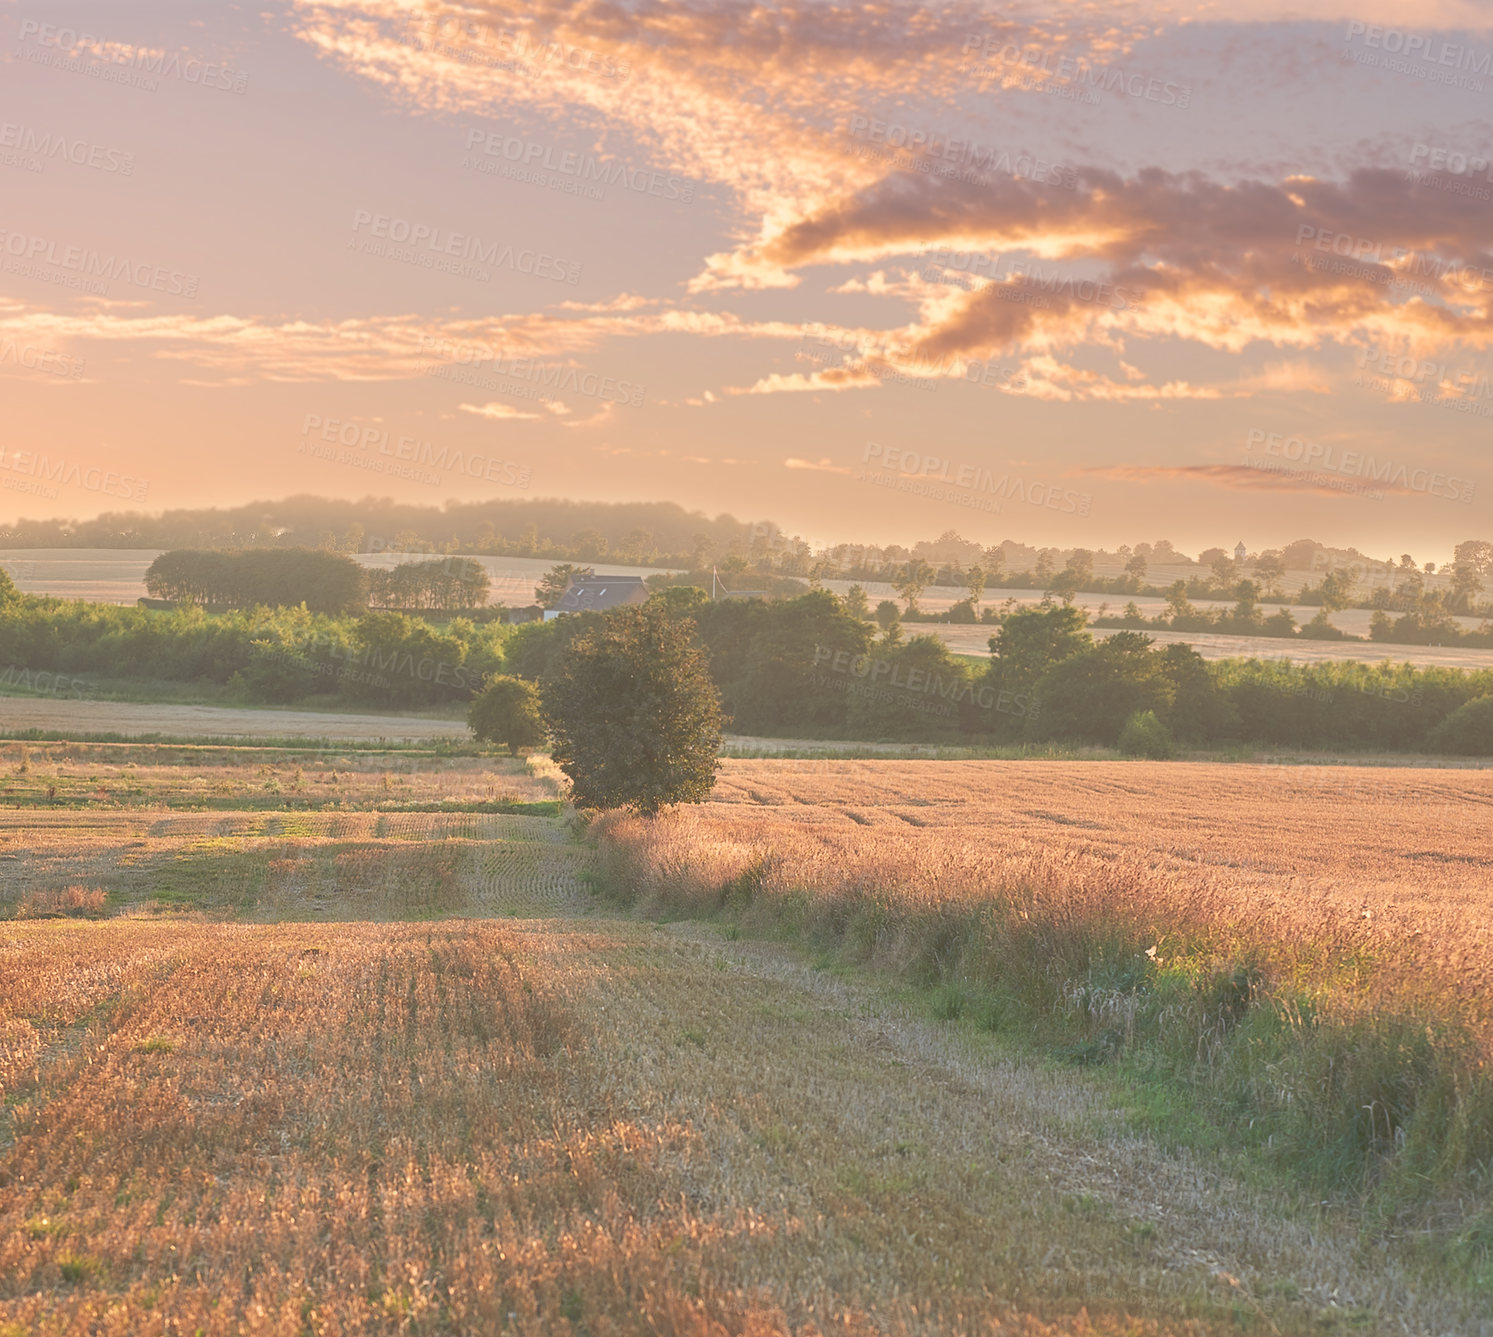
[1468, 730]
[1143, 735]
[507, 711]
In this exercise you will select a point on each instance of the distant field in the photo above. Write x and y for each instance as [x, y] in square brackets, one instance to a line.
[284, 1050]
[19, 714]
[109, 575]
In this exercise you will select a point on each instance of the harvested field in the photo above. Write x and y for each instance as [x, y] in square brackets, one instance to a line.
[57, 715]
[367, 1068]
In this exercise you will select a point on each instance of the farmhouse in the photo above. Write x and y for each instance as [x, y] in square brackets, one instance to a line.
[596, 594]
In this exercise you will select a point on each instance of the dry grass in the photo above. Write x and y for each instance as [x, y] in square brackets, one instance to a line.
[1306, 951]
[1271, 849]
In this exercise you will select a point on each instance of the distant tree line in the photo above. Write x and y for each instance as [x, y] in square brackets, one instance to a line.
[811, 667]
[324, 582]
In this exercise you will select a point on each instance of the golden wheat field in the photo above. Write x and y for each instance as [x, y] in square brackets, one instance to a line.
[341, 1043]
[1411, 847]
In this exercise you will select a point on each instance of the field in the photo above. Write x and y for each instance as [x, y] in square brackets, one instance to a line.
[117, 575]
[61, 714]
[320, 1041]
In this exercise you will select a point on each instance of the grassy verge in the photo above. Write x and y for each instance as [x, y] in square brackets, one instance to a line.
[1357, 1067]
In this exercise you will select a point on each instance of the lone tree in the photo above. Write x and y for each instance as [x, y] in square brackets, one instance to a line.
[507, 711]
[633, 713]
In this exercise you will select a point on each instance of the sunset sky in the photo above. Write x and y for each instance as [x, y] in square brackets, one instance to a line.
[1204, 272]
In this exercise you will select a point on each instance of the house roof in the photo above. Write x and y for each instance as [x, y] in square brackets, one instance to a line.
[595, 594]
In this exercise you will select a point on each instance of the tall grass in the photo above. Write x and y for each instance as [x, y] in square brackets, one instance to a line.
[1357, 1063]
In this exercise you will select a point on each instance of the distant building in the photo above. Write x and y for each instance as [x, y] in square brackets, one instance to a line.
[596, 594]
[1240, 551]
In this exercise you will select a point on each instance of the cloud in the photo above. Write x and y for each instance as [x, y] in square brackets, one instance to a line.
[820, 466]
[1248, 478]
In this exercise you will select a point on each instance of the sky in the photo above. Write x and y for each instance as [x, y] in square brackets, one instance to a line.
[1068, 274]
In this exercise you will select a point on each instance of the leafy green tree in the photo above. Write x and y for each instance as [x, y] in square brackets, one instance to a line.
[1065, 585]
[680, 600]
[974, 581]
[634, 715]
[888, 615]
[1465, 585]
[553, 584]
[916, 689]
[1337, 591]
[1468, 730]
[1143, 735]
[912, 580]
[856, 603]
[1091, 695]
[1032, 640]
[507, 711]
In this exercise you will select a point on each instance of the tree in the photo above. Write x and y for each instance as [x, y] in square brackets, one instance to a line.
[1136, 567]
[1478, 552]
[1270, 567]
[507, 711]
[1081, 563]
[1337, 591]
[1465, 585]
[856, 603]
[553, 584]
[974, 582]
[1031, 641]
[635, 718]
[1064, 585]
[912, 580]
[888, 615]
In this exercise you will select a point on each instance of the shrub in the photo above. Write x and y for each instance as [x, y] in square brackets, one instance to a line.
[77, 901]
[507, 711]
[1468, 730]
[1143, 735]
